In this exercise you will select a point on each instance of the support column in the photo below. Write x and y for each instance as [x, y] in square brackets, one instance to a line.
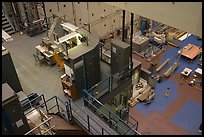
[131, 35]
[123, 36]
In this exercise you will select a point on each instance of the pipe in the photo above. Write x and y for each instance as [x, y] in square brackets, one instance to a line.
[74, 15]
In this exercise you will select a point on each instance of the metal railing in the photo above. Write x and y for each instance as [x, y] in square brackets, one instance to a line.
[86, 120]
[119, 125]
[43, 123]
[69, 111]
[109, 84]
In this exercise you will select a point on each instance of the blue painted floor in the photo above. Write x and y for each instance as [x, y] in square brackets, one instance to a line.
[189, 117]
[161, 101]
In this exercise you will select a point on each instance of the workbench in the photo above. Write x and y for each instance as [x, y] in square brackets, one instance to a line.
[190, 51]
[48, 54]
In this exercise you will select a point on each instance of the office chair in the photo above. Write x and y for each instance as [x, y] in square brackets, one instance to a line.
[38, 58]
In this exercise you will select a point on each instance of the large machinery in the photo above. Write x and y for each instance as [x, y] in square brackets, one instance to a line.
[34, 22]
[83, 64]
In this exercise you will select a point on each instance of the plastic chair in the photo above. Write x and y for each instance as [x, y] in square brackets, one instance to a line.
[38, 58]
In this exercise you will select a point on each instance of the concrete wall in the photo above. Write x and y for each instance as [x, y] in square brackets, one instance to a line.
[186, 16]
[89, 12]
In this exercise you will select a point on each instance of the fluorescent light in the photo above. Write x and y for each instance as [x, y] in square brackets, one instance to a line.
[67, 37]
[69, 26]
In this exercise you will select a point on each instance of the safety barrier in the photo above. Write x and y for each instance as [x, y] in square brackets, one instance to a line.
[69, 111]
[109, 84]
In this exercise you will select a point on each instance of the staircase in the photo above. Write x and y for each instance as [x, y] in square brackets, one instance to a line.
[6, 25]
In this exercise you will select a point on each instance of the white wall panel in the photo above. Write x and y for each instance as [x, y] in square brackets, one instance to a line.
[51, 6]
[66, 8]
[81, 12]
[94, 9]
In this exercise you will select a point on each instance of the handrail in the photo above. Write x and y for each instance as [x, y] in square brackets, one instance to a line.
[48, 129]
[111, 112]
[104, 114]
[85, 113]
[133, 119]
[38, 126]
[127, 66]
[65, 104]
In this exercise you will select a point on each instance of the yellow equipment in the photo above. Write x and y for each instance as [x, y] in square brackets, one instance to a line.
[58, 60]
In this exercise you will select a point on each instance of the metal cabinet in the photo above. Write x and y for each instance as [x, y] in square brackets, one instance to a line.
[120, 53]
[9, 74]
[84, 61]
[14, 121]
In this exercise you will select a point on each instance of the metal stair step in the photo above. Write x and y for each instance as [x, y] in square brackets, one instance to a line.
[11, 32]
[3, 18]
[8, 29]
[6, 26]
[5, 22]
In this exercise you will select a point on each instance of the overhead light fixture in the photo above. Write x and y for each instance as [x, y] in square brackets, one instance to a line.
[69, 26]
[67, 37]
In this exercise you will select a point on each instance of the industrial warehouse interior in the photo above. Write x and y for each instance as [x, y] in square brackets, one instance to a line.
[101, 68]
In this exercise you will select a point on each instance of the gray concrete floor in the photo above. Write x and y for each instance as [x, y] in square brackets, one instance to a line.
[41, 79]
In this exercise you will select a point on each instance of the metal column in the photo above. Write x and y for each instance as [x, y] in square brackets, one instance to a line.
[123, 37]
[131, 34]
[43, 6]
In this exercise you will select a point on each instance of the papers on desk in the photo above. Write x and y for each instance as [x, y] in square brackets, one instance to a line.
[67, 37]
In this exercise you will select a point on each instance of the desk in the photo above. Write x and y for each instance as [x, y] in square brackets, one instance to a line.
[190, 51]
[41, 48]
[186, 71]
[47, 54]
